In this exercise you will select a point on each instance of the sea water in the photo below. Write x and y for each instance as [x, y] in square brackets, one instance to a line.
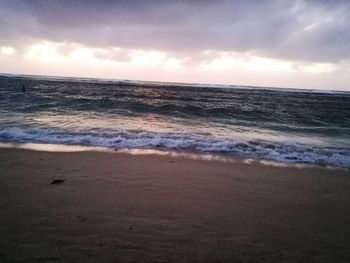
[284, 125]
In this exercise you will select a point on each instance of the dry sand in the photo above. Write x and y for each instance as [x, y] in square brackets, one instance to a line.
[116, 207]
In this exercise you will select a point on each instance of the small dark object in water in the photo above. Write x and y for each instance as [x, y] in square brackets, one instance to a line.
[131, 228]
[116, 150]
[24, 88]
[57, 181]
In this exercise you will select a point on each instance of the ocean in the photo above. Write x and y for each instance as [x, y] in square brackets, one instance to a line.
[283, 125]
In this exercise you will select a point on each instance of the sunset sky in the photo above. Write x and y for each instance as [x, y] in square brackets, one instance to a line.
[295, 44]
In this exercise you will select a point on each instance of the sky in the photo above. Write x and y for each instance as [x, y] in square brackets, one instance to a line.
[281, 43]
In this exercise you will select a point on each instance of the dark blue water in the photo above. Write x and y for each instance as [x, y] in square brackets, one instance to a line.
[292, 126]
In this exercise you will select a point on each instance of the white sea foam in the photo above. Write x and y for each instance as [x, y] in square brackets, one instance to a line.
[286, 153]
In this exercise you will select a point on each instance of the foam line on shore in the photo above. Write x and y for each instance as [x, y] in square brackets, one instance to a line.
[174, 154]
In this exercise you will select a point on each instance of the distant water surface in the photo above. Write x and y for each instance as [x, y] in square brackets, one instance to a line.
[292, 126]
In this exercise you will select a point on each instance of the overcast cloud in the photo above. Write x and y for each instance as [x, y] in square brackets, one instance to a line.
[315, 31]
[286, 43]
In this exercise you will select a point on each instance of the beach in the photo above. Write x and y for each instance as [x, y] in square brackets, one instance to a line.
[120, 207]
[174, 131]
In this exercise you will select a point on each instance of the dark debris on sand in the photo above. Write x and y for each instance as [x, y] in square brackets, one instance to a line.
[57, 181]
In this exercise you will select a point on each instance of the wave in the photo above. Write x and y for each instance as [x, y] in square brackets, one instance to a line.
[257, 149]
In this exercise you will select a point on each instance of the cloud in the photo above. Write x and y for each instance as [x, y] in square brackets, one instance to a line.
[311, 31]
[8, 51]
[237, 61]
[316, 68]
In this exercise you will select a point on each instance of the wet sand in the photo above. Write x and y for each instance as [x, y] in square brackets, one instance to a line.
[117, 207]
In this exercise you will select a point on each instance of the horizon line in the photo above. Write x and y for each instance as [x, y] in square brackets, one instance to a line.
[218, 85]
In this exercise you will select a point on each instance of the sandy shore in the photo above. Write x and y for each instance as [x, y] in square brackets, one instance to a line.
[115, 207]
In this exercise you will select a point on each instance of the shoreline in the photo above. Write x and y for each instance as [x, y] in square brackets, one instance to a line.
[45, 147]
[159, 208]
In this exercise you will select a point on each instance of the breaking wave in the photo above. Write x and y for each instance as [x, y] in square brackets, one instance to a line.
[257, 149]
